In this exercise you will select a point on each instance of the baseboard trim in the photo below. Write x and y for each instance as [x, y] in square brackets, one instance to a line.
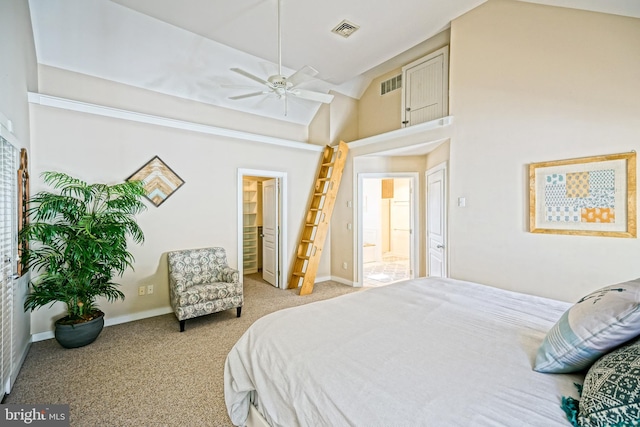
[41, 336]
[18, 365]
[343, 281]
[336, 279]
[137, 316]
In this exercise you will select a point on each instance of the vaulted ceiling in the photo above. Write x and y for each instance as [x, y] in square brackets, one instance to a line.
[186, 48]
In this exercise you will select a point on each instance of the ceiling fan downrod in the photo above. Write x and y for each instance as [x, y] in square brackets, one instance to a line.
[280, 85]
[281, 81]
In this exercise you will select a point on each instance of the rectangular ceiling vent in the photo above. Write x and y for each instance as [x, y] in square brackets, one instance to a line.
[345, 28]
[390, 85]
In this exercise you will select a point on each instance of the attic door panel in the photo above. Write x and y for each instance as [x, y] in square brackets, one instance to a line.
[424, 91]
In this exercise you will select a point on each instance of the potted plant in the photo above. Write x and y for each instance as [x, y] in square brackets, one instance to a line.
[77, 242]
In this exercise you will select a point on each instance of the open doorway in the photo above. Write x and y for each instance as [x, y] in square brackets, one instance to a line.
[261, 230]
[387, 228]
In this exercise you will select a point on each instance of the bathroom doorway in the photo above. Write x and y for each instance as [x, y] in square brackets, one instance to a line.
[387, 229]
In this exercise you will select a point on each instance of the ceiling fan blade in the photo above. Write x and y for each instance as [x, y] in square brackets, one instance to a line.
[312, 96]
[248, 95]
[304, 74]
[251, 76]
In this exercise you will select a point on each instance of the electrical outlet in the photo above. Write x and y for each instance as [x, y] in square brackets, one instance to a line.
[141, 290]
[344, 265]
[149, 289]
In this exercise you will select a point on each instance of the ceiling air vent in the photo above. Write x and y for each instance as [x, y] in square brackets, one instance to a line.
[345, 28]
[390, 85]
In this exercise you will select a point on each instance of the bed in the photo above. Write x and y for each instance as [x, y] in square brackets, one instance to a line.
[429, 351]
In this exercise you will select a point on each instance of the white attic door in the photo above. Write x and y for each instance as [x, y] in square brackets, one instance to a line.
[426, 88]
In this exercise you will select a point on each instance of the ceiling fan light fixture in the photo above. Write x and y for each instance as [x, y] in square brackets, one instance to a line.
[280, 82]
[345, 28]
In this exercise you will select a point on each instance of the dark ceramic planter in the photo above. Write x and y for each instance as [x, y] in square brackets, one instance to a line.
[78, 335]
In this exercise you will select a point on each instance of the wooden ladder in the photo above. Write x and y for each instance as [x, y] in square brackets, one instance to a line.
[318, 218]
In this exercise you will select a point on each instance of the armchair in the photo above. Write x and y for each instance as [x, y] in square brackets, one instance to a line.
[201, 282]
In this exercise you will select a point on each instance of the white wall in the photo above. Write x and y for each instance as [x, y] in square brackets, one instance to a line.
[533, 83]
[19, 70]
[203, 212]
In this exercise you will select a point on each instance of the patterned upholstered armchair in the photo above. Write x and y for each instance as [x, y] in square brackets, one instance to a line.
[201, 282]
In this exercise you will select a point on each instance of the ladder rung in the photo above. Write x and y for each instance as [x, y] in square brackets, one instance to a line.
[309, 224]
[306, 241]
[319, 194]
[324, 179]
[299, 274]
[328, 164]
[303, 257]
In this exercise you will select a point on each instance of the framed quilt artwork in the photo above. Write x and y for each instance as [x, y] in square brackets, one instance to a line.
[589, 196]
[159, 180]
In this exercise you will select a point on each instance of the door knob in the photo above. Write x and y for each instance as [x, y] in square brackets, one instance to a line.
[440, 247]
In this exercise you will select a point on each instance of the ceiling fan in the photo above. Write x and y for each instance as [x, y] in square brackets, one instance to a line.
[280, 85]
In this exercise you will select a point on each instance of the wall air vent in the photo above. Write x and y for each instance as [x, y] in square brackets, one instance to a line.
[390, 85]
[345, 28]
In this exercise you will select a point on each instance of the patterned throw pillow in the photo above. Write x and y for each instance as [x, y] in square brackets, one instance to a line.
[594, 325]
[611, 390]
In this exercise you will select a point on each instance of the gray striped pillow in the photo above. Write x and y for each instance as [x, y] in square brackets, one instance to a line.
[600, 321]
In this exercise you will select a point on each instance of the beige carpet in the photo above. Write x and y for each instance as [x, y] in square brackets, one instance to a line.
[147, 373]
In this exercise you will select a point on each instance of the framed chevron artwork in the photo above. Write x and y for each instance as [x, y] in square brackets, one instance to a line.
[592, 196]
[159, 180]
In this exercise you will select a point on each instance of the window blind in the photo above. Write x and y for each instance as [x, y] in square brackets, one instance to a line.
[8, 253]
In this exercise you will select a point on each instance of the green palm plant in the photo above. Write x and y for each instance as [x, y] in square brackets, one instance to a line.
[78, 242]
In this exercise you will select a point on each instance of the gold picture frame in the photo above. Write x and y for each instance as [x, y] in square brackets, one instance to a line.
[23, 206]
[588, 196]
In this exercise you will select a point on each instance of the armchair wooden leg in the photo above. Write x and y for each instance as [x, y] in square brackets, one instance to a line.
[239, 310]
[182, 322]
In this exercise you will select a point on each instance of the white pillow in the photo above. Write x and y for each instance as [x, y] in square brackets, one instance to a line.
[597, 323]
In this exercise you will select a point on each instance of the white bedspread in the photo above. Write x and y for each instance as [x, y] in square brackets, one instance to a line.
[430, 352]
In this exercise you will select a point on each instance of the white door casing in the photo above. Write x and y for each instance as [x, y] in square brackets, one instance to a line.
[415, 226]
[437, 221]
[425, 92]
[282, 219]
[270, 231]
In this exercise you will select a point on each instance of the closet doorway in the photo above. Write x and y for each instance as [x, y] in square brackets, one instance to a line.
[387, 228]
[261, 234]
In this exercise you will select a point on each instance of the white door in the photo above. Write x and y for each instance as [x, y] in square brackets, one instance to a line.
[270, 197]
[436, 222]
[425, 89]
